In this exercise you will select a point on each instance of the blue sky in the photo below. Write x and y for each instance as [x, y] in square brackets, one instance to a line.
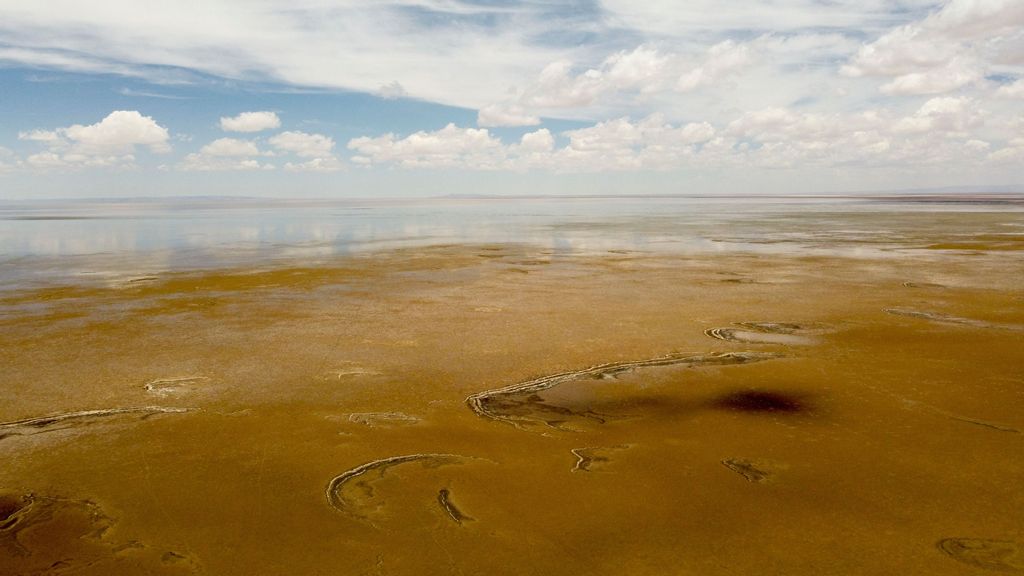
[426, 97]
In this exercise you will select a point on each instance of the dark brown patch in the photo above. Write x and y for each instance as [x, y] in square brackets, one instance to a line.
[10, 504]
[756, 401]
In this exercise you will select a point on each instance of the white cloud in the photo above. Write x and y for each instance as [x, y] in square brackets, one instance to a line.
[303, 144]
[250, 122]
[557, 87]
[943, 115]
[1008, 155]
[45, 160]
[658, 84]
[951, 75]
[723, 59]
[109, 142]
[230, 147]
[327, 164]
[392, 91]
[119, 133]
[197, 162]
[948, 50]
[623, 78]
[671, 17]
[456, 57]
[450, 146]
[1014, 90]
[50, 137]
[505, 115]
[539, 141]
[225, 154]
[942, 131]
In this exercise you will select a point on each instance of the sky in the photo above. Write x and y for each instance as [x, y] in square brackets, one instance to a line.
[338, 98]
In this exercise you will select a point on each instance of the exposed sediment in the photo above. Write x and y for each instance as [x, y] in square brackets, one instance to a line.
[948, 319]
[444, 498]
[486, 404]
[995, 555]
[758, 471]
[373, 419]
[172, 386]
[767, 333]
[590, 458]
[335, 488]
[986, 424]
[55, 422]
[24, 513]
[42, 534]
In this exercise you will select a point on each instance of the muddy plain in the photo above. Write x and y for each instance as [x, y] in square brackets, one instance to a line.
[505, 408]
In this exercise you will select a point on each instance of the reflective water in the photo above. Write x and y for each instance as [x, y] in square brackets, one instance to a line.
[115, 239]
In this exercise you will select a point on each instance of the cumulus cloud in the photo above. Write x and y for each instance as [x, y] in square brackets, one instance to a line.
[956, 73]
[199, 162]
[558, 87]
[250, 122]
[119, 133]
[723, 59]
[392, 91]
[948, 50]
[225, 154]
[327, 164]
[44, 136]
[450, 146]
[303, 144]
[230, 147]
[505, 115]
[1014, 90]
[539, 141]
[111, 141]
[317, 148]
[943, 130]
[640, 73]
[945, 115]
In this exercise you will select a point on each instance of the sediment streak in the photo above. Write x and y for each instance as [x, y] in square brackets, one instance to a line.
[478, 402]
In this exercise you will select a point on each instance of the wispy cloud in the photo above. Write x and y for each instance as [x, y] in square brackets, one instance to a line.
[147, 94]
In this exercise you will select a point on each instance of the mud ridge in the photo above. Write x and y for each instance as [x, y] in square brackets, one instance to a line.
[995, 555]
[479, 402]
[948, 319]
[52, 423]
[444, 498]
[337, 500]
[589, 457]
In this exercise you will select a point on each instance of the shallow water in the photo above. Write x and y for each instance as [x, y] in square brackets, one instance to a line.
[124, 241]
[552, 401]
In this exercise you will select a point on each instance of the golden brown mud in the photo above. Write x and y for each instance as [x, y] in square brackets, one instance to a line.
[354, 418]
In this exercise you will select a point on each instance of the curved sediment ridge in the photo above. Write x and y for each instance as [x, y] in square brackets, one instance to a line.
[337, 484]
[172, 386]
[42, 424]
[480, 402]
[756, 471]
[995, 555]
[948, 319]
[444, 499]
[766, 333]
[591, 456]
